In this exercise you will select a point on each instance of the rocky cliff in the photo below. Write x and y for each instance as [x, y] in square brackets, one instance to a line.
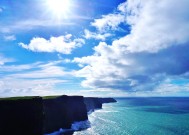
[37, 116]
[96, 103]
[62, 111]
[107, 100]
[21, 116]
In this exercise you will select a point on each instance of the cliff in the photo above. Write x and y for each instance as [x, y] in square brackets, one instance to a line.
[62, 111]
[21, 116]
[96, 103]
[37, 116]
[107, 100]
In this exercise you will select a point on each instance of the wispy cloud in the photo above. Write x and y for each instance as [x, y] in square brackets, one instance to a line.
[22, 87]
[35, 70]
[29, 24]
[38, 78]
[98, 36]
[1, 9]
[45, 72]
[171, 88]
[9, 38]
[61, 44]
[17, 68]
[4, 60]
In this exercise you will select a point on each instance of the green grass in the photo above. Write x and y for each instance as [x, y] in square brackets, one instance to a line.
[29, 97]
[51, 97]
[18, 98]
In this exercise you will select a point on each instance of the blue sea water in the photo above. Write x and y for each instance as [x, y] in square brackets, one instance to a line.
[141, 116]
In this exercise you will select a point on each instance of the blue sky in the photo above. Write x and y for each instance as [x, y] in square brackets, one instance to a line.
[94, 48]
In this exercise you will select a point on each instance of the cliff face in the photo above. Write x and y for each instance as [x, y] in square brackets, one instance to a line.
[92, 103]
[21, 116]
[108, 100]
[96, 103]
[62, 111]
[37, 116]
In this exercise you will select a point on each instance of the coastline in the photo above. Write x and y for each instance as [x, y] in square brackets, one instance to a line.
[57, 113]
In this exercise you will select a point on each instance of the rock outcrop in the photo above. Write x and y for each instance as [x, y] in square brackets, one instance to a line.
[62, 111]
[21, 116]
[93, 103]
[107, 100]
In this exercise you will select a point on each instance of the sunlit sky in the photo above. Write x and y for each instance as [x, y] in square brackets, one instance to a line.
[94, 47]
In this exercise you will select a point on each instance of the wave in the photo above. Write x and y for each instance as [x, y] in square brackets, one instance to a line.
[80, 125]
[108, 111]
[106, 120]
[96, 117]
[76, 126]
[92, 110]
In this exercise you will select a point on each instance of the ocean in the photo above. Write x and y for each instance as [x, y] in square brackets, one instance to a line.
[141, 116]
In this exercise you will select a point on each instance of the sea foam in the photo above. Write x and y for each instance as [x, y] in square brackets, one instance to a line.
[76, 126]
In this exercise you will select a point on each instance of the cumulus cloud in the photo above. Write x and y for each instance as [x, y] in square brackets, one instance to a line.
[132, 72]
[89, 35]
[155, 26]
[108, 22]
[155, 49]
[61, 44]
[152, 26]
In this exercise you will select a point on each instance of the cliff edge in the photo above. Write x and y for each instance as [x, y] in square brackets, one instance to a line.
[93, 103]
[21, 116]
[62, 111]
[38, 116]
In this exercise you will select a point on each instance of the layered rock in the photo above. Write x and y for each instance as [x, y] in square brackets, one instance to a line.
[22, 116]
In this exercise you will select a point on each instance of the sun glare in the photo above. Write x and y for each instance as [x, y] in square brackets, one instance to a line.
[59, 7]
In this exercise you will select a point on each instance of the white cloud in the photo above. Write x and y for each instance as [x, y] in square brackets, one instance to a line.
[45, 72]
[89, 35]
[32, 23]
[64, 60]
[102, 69]
[33, 79]
[171, 88]
[16, 68]
[44, 20]
[35, 70]
[108, 22]
[155, 26]
[10, 38]
[61, 44]
[131, 63]
[13, 87]
[4, 60]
